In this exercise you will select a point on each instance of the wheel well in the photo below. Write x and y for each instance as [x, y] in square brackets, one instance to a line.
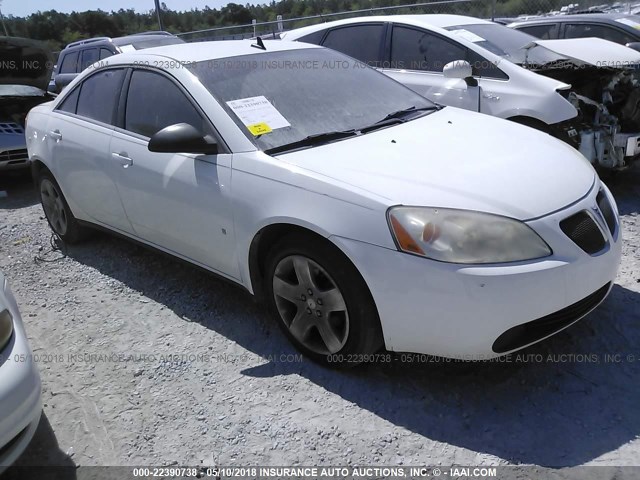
[261, 245]
[36, 167]
[531, 122]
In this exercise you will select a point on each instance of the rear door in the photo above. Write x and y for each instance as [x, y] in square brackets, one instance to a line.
[179, 202]
[80, 133]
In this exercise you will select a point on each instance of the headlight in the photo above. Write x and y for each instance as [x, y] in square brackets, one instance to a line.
[6, 328]
[462, 236]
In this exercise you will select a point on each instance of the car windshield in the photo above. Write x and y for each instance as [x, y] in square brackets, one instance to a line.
[507, 43]
[280, 98]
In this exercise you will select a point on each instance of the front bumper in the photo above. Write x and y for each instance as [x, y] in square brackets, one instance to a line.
[14, 160]
[20, 390]
[459, 311]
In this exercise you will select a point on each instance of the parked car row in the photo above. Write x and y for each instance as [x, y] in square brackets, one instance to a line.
[341, 198]
[582, 91]
[365, 209]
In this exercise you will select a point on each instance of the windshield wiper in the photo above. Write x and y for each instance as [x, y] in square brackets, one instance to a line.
[313, 140]
[398, 117]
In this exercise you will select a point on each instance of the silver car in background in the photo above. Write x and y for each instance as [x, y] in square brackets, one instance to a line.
[20, 388]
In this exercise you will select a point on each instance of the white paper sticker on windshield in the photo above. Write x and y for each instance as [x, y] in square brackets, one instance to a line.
[127, 48]
[628, 21]
[258, 115]
[467, 35]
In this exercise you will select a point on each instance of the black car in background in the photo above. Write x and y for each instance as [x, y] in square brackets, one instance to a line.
[615, 27]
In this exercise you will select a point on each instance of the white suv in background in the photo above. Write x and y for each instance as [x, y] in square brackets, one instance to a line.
[576, 90]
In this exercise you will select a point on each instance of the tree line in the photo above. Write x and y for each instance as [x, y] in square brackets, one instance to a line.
[58, 29]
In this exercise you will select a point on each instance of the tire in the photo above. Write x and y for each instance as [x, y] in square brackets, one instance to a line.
[321, 301]
[57, 211]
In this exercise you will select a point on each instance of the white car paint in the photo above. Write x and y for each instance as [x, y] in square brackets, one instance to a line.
[208, 209]
[525, 93]
[20, 390]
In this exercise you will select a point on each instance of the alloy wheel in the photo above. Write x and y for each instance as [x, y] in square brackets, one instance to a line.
[53, 206]
[310, 304]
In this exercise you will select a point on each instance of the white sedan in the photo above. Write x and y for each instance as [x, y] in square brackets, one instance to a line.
[20, 390]
[579, 90]
[361, 213]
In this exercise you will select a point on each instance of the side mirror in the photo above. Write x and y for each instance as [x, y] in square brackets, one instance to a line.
[63, 79]
[634, 45]
[457, 69]
[182, 138]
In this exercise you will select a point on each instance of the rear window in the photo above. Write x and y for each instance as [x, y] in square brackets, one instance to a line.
[99, 94]
[361, 42]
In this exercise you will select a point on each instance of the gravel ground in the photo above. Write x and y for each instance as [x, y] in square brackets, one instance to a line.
[147, 361]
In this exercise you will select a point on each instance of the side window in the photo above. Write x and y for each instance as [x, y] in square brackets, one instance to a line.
[105, 53]
[315, 37]
[547, 31]
[484, 68]
[69, 63]
[155, 102]
[70, 104]
[99, 95]
[89, 56]
[419, 50]
[361, 42]
[598, 31]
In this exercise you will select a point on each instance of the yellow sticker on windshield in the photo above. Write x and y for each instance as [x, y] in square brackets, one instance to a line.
[259, 128]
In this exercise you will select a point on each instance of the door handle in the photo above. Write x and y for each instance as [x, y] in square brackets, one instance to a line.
[56, 135]
[125, 161]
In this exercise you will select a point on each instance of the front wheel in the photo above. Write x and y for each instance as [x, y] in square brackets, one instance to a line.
[321, 301]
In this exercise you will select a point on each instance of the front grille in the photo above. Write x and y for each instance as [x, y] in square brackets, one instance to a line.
[607, 211]
[17, 154]
[11, 127]
[521, 335]
[583, 230]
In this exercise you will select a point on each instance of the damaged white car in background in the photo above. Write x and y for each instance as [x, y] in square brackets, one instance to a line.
[604, 90]
[583, 91]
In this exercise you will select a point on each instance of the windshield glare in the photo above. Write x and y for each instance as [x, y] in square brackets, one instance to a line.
[278, 98]
[507, 43]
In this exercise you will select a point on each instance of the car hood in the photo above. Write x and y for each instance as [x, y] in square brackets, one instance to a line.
[594, 52]
[457, 159]
[25, 62]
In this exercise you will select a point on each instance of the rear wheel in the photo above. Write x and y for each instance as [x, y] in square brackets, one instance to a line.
[321, 301]
[57, 211]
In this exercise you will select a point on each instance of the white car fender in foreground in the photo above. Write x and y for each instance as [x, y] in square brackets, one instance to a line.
[20, 388]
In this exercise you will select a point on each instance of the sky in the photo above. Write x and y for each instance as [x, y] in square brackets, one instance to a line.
[22, 8]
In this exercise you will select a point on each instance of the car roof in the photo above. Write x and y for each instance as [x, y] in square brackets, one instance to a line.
[203, 51]
[140, 37]
[578, 16]
[124, 40]
[429, 20]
